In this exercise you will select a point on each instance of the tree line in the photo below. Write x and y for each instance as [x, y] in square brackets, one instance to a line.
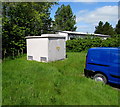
[107, 29]
[21, 19]
[28, 19]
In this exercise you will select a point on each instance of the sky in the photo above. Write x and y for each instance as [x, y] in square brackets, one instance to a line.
[88, 14]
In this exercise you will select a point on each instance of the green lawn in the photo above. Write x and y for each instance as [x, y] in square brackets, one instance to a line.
[55, 83]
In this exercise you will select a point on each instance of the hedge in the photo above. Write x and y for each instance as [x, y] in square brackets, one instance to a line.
[78, 45]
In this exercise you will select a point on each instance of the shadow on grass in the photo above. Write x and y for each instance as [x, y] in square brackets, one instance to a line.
[115, 86]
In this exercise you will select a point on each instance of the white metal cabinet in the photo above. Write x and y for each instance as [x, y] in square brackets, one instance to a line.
[46, 48]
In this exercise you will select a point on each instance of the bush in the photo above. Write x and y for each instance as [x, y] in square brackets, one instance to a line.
[78, 45]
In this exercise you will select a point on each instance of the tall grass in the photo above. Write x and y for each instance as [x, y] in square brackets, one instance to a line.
[55, 83]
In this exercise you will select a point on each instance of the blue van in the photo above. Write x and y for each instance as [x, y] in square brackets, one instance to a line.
[103, 64]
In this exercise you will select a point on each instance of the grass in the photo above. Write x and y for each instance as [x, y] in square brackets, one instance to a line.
[55, 83]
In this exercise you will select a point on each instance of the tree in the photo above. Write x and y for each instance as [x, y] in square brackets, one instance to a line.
[105, 29]
[117, 29]
[108, 29]
[64, 19]
[21, 19]
[99, 28]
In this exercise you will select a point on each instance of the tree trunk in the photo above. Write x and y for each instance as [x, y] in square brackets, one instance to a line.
[22, 51]
[13, 54]
[18, 53]
[4, 53]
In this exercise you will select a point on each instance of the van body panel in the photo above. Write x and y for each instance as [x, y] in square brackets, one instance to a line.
[114, 68]
[104, 60]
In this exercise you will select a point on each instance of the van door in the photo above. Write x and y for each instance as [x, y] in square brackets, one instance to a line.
[98, 60]
[114, 66]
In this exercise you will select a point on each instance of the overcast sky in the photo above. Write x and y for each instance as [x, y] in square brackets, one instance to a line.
[88, 14]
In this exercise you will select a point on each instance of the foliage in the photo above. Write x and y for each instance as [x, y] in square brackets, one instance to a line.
[78, 45]
[21, 19]
[108, 29]
[105, 29]
[64, 19]
[56, 83]
[99, 28]
[117, 29]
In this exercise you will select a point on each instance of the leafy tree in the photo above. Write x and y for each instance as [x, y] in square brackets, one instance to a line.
[21, 19]
[64, 19]
[117, 29]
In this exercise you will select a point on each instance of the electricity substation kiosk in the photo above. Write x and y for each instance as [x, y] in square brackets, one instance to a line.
[46, 48]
